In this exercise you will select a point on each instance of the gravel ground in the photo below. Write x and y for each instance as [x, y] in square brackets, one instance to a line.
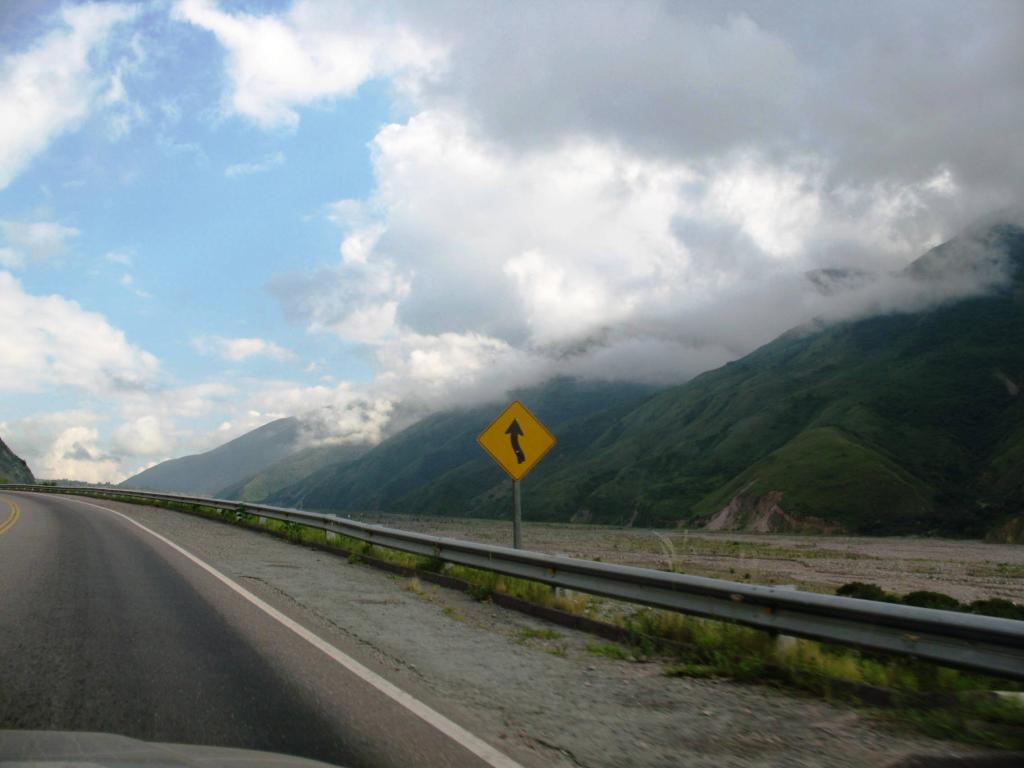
[544, 700]
[966, 569]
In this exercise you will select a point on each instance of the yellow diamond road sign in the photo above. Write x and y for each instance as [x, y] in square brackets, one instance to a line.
[516, 440]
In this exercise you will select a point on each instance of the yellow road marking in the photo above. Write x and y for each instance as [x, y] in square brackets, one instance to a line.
[7, 524]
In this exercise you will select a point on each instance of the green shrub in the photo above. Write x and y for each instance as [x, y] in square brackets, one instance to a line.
[864, 591]
[432, 564]
[997, 607]
[925, 599]
[1003, 609]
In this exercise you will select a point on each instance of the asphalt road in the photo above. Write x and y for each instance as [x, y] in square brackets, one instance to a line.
[104, 627]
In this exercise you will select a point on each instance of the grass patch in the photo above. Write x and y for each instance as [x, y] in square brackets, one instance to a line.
[537, 634]
[453, 614]
[993, 724]
[742, 652]
[483, 584]
[962, 711]
[609, 651]
[413, 585]
[690, 670]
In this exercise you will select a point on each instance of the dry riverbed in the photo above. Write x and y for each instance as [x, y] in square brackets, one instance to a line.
[965, 569]
[536, 691]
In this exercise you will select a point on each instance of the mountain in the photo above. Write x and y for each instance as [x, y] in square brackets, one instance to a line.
[290, 470]
[210, 472]
[13, 469]
[436, 467]
[898, 423]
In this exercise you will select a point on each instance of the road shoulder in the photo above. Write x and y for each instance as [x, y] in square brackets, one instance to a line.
[533, 690]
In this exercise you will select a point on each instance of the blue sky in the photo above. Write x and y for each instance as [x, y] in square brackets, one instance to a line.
[197, 209]
[212, 215]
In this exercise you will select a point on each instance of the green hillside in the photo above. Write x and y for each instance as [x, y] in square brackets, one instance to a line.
[891, 424]
[897, 423]
[290, 470]
[224, 466]
[13, 469]
[436, 466]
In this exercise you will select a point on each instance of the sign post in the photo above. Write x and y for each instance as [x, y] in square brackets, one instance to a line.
[516, 440]
[517, 515]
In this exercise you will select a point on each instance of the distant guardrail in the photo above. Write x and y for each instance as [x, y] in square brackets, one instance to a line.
[981, 643]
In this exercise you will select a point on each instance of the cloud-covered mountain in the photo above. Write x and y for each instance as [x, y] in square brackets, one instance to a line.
[436, 467]
[451, 199]
[13, 469]
[911, 420]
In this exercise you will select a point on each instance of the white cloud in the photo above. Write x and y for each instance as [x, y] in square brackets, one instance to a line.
[51, 87]
[172, 405]
[239, 349]
[33, 240]
[348, 213]
[247, 169]
[69, 445]
[312, 53]
[357, 300]
[557, 302]
[172, 421]
[62, 444]
[124, 258]
[355, 419]
[30, 436]
[76, 454]
[434, 364]
[344, 413]
[124, 113]
[592, 218]
[777, 208]
[128, 281]
[10, 258]
[631, 190]
[885, 92]
[474, 268]
[144, 436]
[660, 78]
[49, 341]
[149, 425]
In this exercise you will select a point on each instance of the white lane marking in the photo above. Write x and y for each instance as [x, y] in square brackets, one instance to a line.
[452, 730]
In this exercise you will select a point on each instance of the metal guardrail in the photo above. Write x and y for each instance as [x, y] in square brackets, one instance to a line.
[969, 641]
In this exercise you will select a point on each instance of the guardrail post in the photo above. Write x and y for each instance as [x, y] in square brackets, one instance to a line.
[785, 643]
[562, 591]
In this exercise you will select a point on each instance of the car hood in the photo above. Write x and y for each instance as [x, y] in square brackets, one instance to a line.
[105, 750]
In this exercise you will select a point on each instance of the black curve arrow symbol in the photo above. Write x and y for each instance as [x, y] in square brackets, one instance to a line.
[516, 432]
